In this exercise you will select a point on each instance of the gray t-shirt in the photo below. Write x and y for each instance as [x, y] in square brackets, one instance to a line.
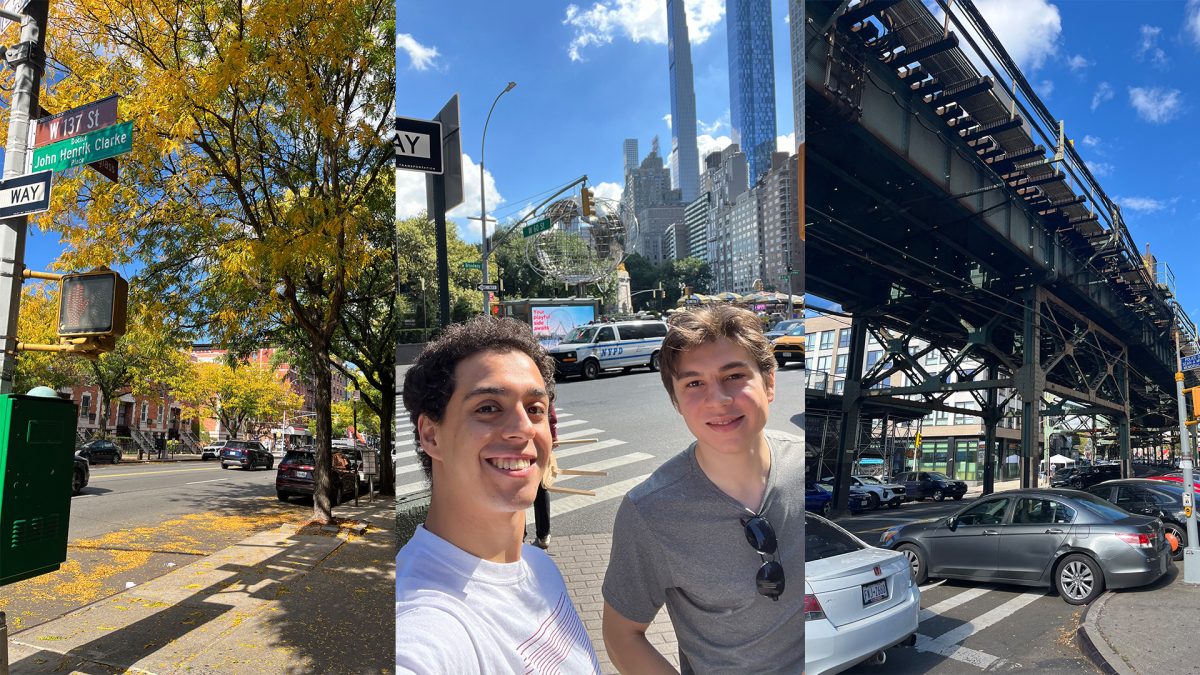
[679, 540]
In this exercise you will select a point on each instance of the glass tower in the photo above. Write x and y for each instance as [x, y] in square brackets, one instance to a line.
[752, 81]
[684, 160]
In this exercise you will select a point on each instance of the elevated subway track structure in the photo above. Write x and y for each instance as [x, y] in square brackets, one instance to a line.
[945, 205]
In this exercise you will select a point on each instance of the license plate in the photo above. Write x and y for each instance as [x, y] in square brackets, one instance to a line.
[303, 474]
[786, 354]
[874, 592]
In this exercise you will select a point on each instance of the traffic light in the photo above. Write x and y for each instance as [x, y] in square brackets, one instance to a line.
[1195, 392]
[92, 304]
[585, 202]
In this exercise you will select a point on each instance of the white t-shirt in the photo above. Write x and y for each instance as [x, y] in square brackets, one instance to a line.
[456, 613]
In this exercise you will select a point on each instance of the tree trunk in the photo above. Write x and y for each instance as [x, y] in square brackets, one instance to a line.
[387, 433]
[323, 475]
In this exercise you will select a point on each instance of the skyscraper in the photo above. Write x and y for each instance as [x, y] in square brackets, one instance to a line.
[684, 160]
[752, 81]
[631, 153]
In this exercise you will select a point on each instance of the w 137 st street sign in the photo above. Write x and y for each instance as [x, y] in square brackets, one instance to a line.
[25, 194]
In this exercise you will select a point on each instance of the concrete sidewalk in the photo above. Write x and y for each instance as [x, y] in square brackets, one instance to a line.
[1144, 631]
[290, 600]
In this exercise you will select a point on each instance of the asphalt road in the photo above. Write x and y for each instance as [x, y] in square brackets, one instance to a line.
[136, 495]
[971, 627]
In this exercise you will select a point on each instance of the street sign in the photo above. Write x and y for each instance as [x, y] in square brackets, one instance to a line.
[418, 145]
[75, 122]
[84, 149]
[1191, 362]
[25, 194]
[535, 227]
[14, 6]
[105, 167]
[469, 265]
[489, 287]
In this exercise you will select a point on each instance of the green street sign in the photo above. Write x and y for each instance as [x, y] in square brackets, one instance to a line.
[84, 149]
[535, 227]
[472, 265]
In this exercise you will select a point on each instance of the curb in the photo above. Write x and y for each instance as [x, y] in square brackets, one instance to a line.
[1093, 644]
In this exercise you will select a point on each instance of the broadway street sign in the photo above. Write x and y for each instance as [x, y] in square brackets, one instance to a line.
[25, 194]
[90, 147]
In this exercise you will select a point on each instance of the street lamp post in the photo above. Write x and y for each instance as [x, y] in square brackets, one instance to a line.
[483, 195]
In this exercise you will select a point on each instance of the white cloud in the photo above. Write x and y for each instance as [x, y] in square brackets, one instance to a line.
[1045, 88]
[1192, 20]
[1090, 140]
[713, 128]
[1100, 169]
[410, 197]
[667, 119]
[608, 190]
[1142, 204]
[1077, 62]
[1149, 46]
[638, 20]
[1028, 29]
[707, 144]
[420, 56]
[1104, 92]
[786, 143]
[1155, 104]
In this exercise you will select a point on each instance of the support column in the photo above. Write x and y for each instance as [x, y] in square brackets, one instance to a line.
[851, 413]
[1029, 384]
[1123, 440]
[991, 417]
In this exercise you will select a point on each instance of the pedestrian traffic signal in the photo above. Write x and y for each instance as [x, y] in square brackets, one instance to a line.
[92, 304]
[585, 202]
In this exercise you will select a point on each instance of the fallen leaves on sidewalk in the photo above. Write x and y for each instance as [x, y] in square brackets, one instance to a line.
[318, 529]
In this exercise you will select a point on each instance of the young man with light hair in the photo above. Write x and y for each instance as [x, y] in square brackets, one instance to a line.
[716, 531]
[470, 597]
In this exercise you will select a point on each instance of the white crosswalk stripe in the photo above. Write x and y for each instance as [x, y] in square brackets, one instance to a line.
[571, 423]
[948, 643]
[565, 505]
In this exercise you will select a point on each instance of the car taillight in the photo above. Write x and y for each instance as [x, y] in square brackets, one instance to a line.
[812, 608]
[1136, 540]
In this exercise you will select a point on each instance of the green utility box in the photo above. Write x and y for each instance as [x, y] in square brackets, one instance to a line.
[37, 455]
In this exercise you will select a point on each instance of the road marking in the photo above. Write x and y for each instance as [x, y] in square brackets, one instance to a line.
[580, 434]
[197, 482]
[148, 473]
[590, 447]
[606, 464]
[559, 414]
[604, 493]
[974, 657]
[952, 602]
[947, 644]
[570, 423]
[989, 618]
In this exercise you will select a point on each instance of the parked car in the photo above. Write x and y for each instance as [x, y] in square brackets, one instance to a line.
[858, 501]
[1087, 476]
[858, 599]
[354, 452]
[1062, 477]
[920, 485]
[295, 476]
[1156, 498]
[81, 476]
[789, 347]
[211, 451]
[1072, 541]
[784, 327]
[246, 454]
[592, 348]
[817, 499]
[100, 450]
[881, 492]
[1178, 478]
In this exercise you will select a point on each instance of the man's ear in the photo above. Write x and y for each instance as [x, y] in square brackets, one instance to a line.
[769, 384]
[427, 432]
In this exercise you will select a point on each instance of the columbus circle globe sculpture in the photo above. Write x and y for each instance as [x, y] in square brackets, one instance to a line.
[580, 249]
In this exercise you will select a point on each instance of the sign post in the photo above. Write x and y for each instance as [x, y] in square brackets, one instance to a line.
[1191, 553]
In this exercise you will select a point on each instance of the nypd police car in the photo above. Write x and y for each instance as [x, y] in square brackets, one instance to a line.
[595, 347]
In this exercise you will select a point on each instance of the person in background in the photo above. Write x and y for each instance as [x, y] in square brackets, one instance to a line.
[541, 503]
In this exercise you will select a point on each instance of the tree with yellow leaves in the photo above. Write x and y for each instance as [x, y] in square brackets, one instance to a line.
[244, 398]
[38, 323]
[260, 150]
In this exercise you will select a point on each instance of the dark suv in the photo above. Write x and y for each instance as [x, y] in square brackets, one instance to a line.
[921, 484]
[295, 475]
[1088, 476]
[79, 479]
[100, 450]
[246, 454]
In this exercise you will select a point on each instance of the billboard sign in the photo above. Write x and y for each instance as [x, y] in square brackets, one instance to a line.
[553, 323]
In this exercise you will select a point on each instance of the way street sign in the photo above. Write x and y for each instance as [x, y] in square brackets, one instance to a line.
[25, 194]
[84, 149]
[489, 287]
[535, 227]
[1191, 362]
[469, 265]
[418, 145]
[77, 121]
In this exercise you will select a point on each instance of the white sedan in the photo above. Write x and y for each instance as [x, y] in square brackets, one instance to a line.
[859, 600]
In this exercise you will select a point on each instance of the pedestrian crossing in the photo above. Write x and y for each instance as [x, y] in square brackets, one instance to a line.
[604, 454]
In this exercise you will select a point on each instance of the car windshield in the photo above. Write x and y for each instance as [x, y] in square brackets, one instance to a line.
[582, 334]
[299, 457]
[938, 476]
[1101, 507]
[785, 325]
[870, 479]
[823, 539]
[797, 331]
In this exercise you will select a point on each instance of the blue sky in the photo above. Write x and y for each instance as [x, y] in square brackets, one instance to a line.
[588, 76]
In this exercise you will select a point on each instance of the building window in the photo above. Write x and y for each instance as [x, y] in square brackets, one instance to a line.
[839, 386]
[941, 417]
[841, 365]
[85, 405]
[810, 342]
[844, 338]
[808, 364]
[827, 339]
[823, 364]
[145, 409]
[932, 358]
[873, 357]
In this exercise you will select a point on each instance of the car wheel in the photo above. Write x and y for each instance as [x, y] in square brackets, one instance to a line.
[920, 499]
[655, 362]
[781, 361]
[894, 504]
[224, 466]
[916, 560]
[77, 483]
[1180, 536]
[627, 370]
[872, 501]
[116, 459]
[270, 463]
[938, 495]
[826, 508]
[1079, 580]
[590, 369]
[957, 497]
[282, 496]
